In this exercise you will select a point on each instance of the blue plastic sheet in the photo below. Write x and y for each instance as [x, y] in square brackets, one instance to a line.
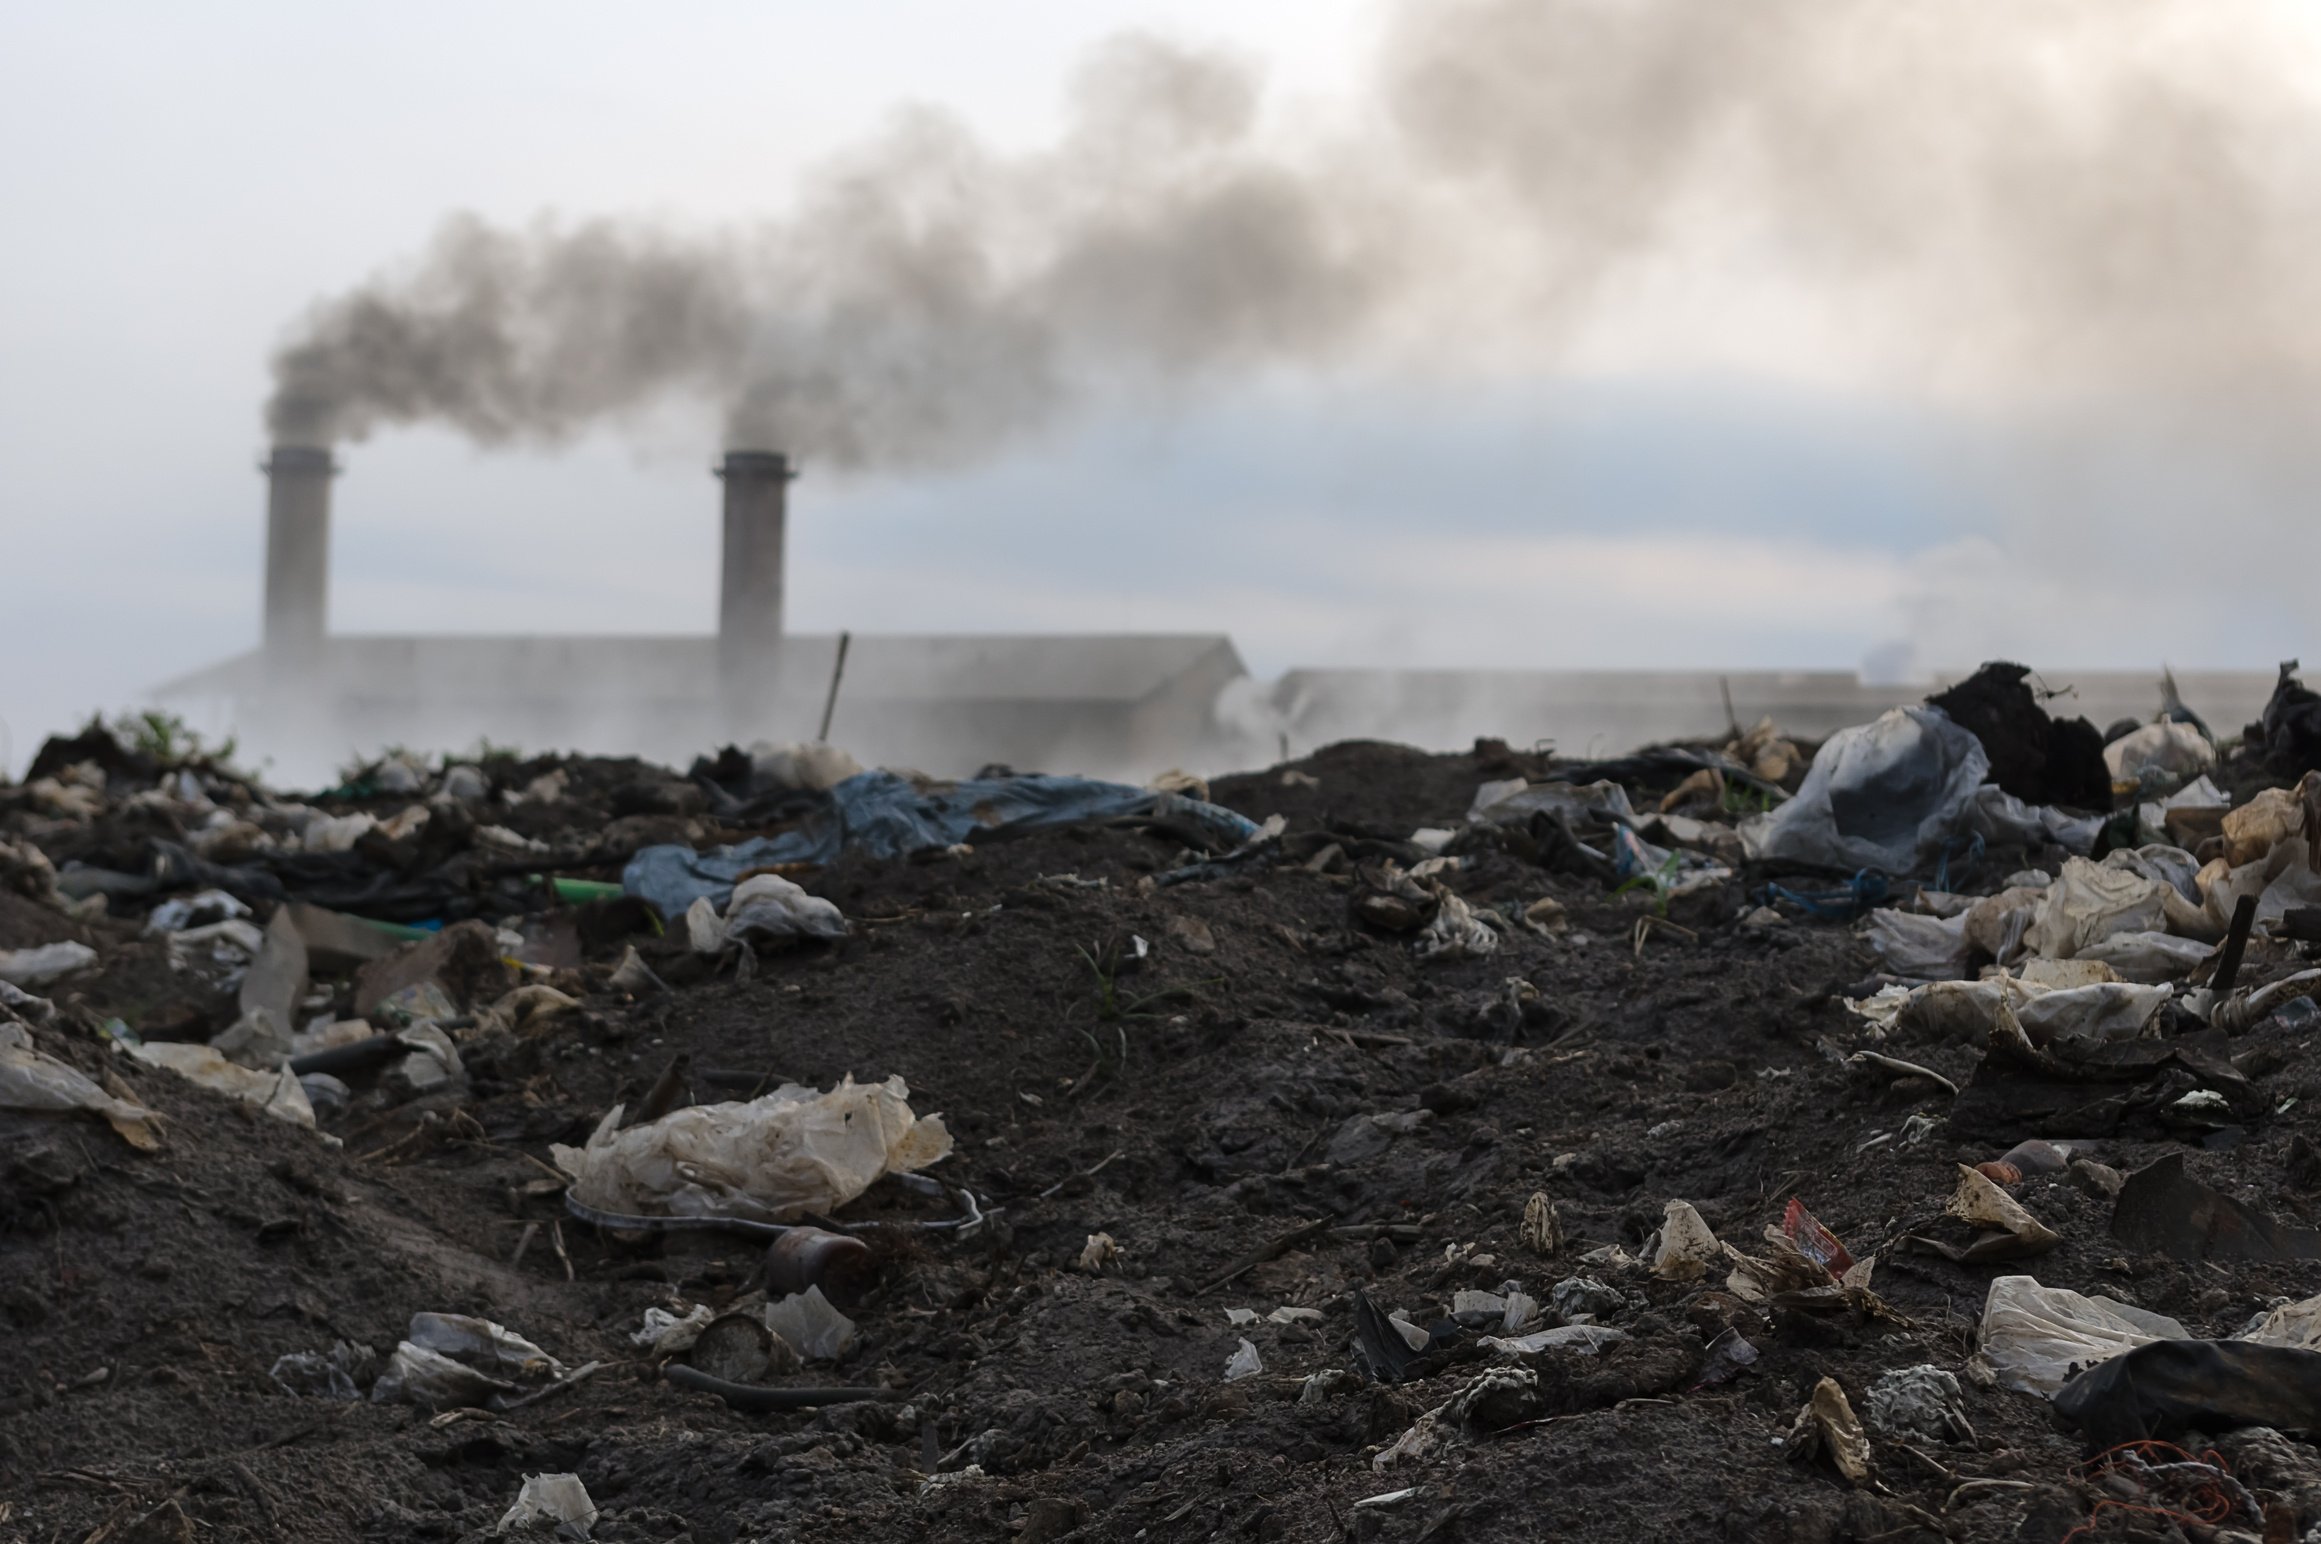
[884, 815]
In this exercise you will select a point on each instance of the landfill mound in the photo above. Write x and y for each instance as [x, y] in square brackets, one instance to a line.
[1384, 1144]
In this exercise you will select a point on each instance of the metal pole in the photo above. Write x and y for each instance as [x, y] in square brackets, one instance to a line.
[830, 703]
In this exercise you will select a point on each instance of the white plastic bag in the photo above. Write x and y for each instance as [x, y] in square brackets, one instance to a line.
[1881, 795]
[1912, 944]
[2092, 901]
[2148, 957]
[2035, 1338]
[794, 1150]
[2168, 750]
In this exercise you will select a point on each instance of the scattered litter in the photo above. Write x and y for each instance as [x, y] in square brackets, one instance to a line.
[1243, 1363]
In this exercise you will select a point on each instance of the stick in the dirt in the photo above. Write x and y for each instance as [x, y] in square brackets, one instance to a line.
[1270, 1250]
[523, 1242]
[2244, 917]
[830, 703]
[556, 1237]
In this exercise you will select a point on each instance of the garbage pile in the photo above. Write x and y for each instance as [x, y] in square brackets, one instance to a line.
[1901, 1135]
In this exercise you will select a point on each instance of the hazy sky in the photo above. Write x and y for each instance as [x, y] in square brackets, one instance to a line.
[181, 183]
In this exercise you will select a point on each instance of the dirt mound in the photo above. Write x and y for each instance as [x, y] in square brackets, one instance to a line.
[1280, 1113]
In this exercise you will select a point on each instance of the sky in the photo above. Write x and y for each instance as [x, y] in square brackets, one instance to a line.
[181, 184]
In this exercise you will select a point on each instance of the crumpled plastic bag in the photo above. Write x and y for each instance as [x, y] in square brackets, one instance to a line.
[1967, 1011]
[451, 1360]
[34, 1080]
[2091, 901]
[2273, 816]
[1881, 795]
[277, 1092]
[765, 906]
[1914, 944]
[2033, 1338]
[1997, 816]
[2281, 880]
[794, 1150]
[2170, 750]
[558, 1498]
[1514, 801]
[2148, 958]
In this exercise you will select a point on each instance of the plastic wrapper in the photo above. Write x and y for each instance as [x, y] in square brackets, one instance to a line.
[792, 1151]
[1882, 795]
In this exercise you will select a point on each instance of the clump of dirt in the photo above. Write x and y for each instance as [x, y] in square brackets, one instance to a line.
[2035, 757]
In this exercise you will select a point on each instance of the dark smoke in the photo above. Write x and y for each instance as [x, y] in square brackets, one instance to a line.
[2051, 201]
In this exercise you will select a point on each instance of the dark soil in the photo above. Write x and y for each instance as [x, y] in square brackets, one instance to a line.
[1193, 1110]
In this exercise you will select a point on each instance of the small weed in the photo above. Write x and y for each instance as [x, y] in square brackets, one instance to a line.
[1660, 881]
[168, 739]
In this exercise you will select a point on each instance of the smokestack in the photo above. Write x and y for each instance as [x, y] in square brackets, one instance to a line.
[297, 548]
[749, 604]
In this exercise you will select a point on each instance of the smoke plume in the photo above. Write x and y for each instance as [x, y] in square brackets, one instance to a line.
[2055, 202]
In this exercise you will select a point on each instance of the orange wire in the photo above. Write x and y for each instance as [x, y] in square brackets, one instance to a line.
[2212, 1503]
